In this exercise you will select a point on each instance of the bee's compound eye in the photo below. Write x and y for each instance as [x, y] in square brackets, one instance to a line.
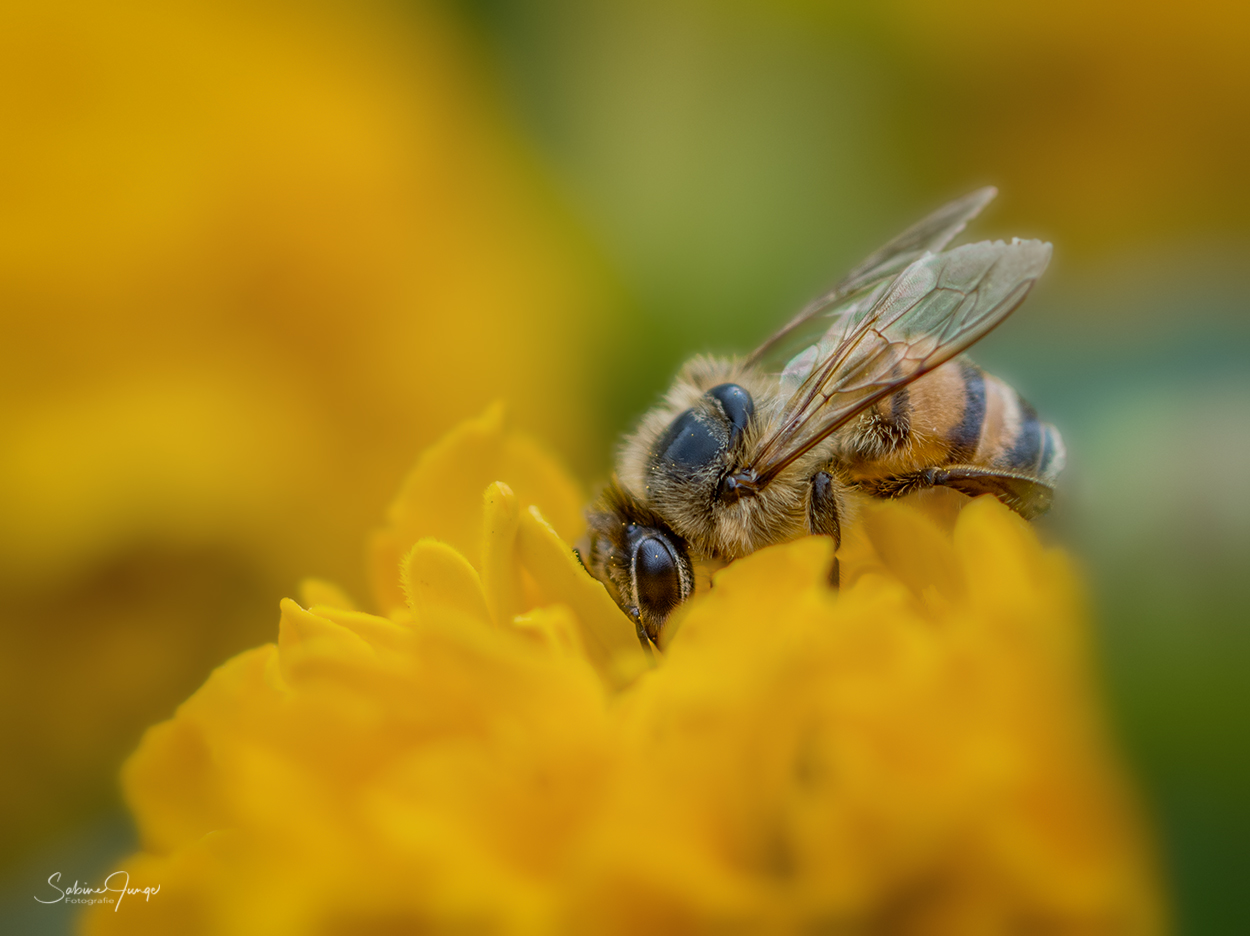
[737, 404]
[656, 576]
[689, 442]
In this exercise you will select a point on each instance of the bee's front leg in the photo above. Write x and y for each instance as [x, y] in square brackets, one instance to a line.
[824, 512]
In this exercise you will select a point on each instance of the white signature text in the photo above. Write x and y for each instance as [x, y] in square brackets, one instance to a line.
[116, 883]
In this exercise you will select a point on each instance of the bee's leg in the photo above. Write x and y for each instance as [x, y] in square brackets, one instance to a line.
[1026, 495]
[648, 645]
[824, 514]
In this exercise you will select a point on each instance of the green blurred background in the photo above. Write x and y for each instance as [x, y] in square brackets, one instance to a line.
[254, 256]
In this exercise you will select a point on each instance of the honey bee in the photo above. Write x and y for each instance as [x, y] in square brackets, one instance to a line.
[746, 452]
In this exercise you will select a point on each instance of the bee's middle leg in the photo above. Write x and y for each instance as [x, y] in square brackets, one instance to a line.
[824, 511]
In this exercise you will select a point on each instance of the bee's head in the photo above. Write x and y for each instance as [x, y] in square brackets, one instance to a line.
[644, 564]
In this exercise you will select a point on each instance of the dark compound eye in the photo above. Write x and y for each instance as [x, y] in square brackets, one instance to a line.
[689, 442]
[738, 407]
[656, 576]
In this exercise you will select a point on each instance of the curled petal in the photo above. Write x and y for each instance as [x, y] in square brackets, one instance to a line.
[501, 570]
[609, 636]
[435, 577]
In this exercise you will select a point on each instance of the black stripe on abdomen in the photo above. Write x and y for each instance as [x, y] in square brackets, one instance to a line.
[965, 437]
[1026, 452]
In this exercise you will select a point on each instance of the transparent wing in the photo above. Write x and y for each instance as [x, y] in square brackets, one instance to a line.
[929, 234]
[936, 308]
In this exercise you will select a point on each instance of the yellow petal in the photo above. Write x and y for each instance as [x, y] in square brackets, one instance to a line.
[556, 627]
[610, 638]
[173, 756]
[776, 571]
[998, 547]
[435, 576]
[379, 632]
[384, 559]
[501, 570]
[315, 591]
[304, 636]
[755, 589]
[168, 781]
[914, 548]
[442, 497]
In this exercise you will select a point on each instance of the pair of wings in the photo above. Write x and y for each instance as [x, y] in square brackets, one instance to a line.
[905, 310]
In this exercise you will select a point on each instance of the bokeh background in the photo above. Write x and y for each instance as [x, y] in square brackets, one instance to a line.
[255, 255]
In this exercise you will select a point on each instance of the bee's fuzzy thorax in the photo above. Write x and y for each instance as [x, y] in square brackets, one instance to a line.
[689, 503]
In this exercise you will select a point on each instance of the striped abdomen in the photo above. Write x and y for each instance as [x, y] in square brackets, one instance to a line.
[956, 415]
[1012, 436]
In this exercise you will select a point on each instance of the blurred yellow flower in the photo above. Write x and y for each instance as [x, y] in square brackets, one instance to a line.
[253, 256]
[917, 753]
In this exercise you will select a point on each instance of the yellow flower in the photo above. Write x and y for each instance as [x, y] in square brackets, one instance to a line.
[236, 239]
[918, 752]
